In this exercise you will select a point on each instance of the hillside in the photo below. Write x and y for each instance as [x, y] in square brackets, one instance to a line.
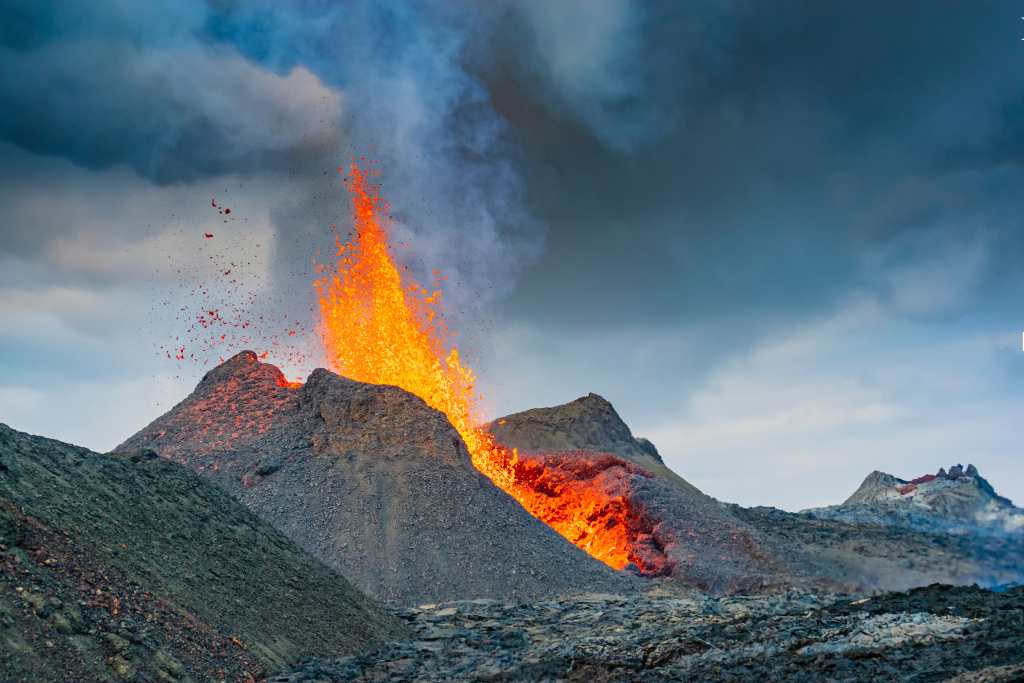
[128, 566]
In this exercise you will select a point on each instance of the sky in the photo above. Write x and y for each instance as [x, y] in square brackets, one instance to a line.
[783, 238]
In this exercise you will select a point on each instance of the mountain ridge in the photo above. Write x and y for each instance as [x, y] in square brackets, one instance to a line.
[958, 500]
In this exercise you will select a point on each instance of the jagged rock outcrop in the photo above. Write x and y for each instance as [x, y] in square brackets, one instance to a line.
[128, 567]
[372, 481]
[957, 500]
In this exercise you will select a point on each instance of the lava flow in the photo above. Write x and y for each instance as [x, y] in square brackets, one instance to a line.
[378, 329]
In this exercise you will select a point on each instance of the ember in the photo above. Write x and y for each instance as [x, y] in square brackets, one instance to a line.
[378, 329]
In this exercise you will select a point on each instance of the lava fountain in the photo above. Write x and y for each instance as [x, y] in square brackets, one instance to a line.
[379, 328]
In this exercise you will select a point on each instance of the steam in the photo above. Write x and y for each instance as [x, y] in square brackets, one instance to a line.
[413, 110]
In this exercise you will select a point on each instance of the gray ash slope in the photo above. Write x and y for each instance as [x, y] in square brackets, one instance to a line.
[117, 567]
[959, 500]
[887, 557]
[372, 481]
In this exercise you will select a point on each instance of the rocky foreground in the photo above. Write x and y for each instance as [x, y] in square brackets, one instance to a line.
[937, 633]
[132, 568]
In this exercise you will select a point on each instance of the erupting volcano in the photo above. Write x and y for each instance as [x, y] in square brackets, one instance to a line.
[379, 329]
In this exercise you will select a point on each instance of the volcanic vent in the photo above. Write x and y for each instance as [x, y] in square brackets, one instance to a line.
[379, 329]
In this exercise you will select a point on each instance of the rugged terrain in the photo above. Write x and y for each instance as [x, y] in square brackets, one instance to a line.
[372, 481]
[938, 633]
[129, 567]
[957, 501]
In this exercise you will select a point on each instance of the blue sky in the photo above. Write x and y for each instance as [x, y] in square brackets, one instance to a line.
[784, 239]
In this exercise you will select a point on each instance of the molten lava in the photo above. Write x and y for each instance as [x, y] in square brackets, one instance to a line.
[379, 329]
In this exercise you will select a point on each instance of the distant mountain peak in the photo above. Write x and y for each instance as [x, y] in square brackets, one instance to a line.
[958, 497]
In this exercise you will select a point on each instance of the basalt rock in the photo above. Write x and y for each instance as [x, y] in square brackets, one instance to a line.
[128, 567]
[372, 481]
[727, 548]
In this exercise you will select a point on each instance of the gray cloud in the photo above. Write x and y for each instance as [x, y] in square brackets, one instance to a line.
[127, 84]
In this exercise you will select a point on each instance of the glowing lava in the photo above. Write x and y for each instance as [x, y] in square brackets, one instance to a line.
[378, 329]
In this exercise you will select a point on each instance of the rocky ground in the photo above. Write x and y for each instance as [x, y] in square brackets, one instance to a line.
[937, 633]
[380, 487]
[590, 423]
[130, 567]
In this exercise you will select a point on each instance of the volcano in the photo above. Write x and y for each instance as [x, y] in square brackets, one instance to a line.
[372, 481]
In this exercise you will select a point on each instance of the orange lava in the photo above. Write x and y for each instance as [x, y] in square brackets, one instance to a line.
[381, 329]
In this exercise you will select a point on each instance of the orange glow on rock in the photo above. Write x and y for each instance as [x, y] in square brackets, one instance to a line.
[379, 329]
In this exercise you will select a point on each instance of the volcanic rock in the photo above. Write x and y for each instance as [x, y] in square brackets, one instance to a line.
[873, 556]
[373, 482]
[960, 500]
[928, 634]
[131, 567]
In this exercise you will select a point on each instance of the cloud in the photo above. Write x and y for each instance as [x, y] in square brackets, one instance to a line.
[762, 232]
[940, 274]
[809, 412]
[172, 112]
[592, 61]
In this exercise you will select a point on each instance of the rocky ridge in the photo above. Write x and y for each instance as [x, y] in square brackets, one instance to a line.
[590, 423]
[872, 557]
[959, 501]
[129, 567]
[728, 548]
